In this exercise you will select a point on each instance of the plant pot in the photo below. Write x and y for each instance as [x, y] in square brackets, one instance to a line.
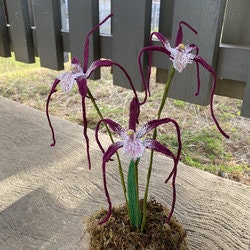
[117, 233]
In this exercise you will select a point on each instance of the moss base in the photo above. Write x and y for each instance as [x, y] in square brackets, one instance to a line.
[117, 234]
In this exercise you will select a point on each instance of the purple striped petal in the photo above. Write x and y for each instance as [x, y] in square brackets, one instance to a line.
[98, 64]
[114, 126]
[109, 63]
[106, 157]
[134, 113]
[67, 80]
[210, 69]
[153, 124]
[158, 147]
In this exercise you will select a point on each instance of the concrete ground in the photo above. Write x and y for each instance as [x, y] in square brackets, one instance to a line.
[46, 193]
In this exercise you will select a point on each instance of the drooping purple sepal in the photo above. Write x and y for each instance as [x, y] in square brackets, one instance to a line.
[106, 157]
[53, 90]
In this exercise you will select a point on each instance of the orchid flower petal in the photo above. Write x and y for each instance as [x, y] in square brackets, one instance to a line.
[82, 86]
[67, 80]
[158, 147]
[53, 90]
[76, 66]
[134, 113]
[180, 59]
[106, 157]
[210, 69]
[83, 90]
[133, 147]
[179, 36]
[153, 124]
[160, 37]
[98, 64]
[189, 49]
[196, 48]
[174, 192]
[86, 45]
[113, 126]
[148, 49]
[109, 63]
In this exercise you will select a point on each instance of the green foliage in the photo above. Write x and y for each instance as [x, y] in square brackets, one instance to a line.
[179, 103]
[133, 196]
[9, 65]
[203, 149]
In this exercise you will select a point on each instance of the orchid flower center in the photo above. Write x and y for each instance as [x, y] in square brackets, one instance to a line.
[181, 46]
[181, 56]
[133, 147]
[76, 68]
[76, 71]
[131, 134]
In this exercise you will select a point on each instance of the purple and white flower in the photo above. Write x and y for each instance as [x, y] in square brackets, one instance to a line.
[181, 55]
[79, 75]
[134, 144]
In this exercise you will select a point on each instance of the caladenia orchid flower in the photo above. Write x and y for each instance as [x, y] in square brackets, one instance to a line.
[181, 55]
[79, 75]
[134, 144]
[76, 76]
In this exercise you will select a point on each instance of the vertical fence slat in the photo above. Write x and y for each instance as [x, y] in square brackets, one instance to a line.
[47, 18]
[236, 32]
[245, 109]
[207, 18]
[166, 17]
[83, 16]
[4, 36]
[20, 28]
[130, 31]
[237, 22]
[165, 27]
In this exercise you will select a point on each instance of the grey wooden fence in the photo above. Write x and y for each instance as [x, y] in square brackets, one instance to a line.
[30, 27]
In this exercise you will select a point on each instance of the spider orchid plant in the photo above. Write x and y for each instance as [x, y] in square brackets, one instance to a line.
[78, 75]
[181, 55]
[134, 144]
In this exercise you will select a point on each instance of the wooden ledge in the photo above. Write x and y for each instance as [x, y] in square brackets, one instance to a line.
[45, 192]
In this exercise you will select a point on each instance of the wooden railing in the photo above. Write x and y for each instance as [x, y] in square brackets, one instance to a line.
[36, 27]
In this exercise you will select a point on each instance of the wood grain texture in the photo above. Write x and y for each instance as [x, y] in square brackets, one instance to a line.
[45, 193]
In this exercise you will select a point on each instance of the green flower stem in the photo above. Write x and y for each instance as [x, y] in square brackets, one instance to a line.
[163, 101]
[133, 195]
[138, 209]
[112, 140]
